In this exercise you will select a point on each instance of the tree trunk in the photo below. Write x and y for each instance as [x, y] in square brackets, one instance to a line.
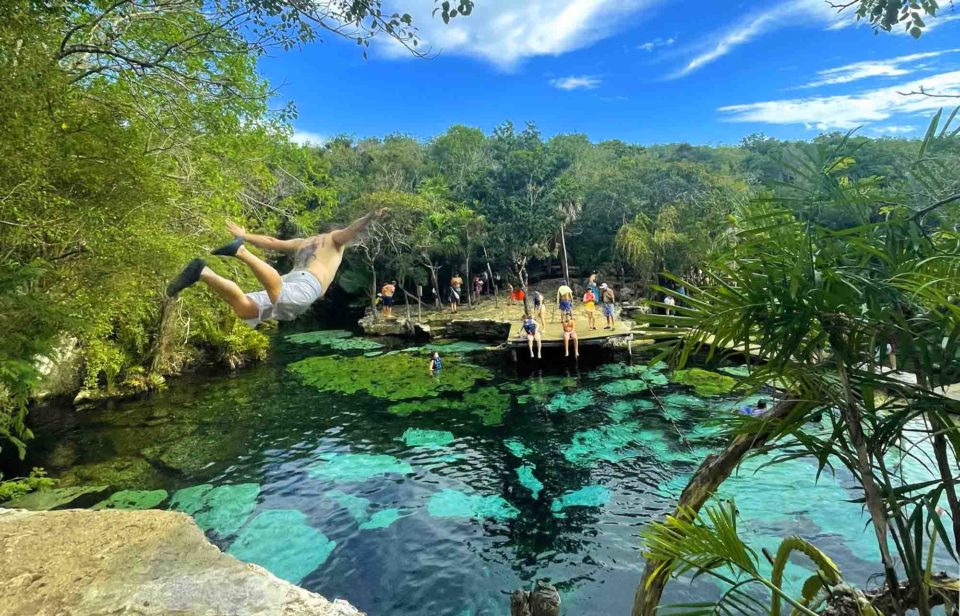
[373, 291]
[469, 281]
[563, 245]
[713, 471]
[875, 505]
[436, 283]
[164, 328]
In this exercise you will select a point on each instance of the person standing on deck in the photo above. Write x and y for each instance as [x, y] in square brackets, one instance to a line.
[532, 332]
[590, 307]
[565, 301]
[538, 308]
[386, 295]
[316, 260]
[477, 287]
[592, 285]
[608, 304]
[456, 283]
[670, 302]
[570, 331]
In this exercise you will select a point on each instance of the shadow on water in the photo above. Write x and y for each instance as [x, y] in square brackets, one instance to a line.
[439, 503]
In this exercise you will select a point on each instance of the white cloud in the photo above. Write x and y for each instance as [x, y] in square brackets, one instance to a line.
[586, 82]
[657, 42]
[758, 23]
[873, 68]
[505, 32]
[850, 110]
[305, 137]
[894, 129]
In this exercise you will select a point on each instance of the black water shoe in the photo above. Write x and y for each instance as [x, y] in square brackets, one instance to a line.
[190, 275]
[228, 250]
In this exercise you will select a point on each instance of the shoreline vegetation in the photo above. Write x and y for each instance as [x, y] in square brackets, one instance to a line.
[129, 137]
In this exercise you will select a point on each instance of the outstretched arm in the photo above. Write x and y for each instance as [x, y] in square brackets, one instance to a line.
[342, 237]
[264, 241]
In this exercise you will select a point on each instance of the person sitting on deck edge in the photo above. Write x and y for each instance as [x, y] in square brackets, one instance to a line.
[570, 331]
[316, 260]
[532, 332]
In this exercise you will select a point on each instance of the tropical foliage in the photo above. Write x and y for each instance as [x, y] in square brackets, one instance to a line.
[826, 278]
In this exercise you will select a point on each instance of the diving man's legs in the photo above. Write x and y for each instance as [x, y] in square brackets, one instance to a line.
[243, 306]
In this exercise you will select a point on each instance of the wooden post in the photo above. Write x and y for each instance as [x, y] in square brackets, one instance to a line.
[419, 302]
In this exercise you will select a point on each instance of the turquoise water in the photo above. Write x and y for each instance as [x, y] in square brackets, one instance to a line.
[342, 465]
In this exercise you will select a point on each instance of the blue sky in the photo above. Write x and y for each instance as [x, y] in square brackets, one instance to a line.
[644, 71]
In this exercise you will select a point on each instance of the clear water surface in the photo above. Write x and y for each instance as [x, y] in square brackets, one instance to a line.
[439, 495]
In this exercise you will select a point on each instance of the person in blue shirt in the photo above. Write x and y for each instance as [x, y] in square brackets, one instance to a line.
[759, 410]
[435, 363]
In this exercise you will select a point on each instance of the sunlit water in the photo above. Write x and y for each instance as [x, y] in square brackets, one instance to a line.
[446, 511]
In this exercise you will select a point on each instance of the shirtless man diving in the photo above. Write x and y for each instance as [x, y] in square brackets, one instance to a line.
[284, 298]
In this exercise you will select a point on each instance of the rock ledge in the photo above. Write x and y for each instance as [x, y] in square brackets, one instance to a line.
[147, 563]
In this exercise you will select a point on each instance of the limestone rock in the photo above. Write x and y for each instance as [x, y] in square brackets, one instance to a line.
[61, 373]
[59, 498]
[478, 329]
[149, 563]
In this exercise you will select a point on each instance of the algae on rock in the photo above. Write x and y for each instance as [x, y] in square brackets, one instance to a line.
[624, 387]
[704, 382]
[133, 499]
[124, 472]
[391, 377]
[568, 403]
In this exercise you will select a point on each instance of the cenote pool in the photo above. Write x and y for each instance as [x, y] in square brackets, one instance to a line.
[345, 467]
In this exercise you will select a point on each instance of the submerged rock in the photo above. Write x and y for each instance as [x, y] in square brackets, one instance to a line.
[382, 519]
[358, 466]
[589, 496]
[568, 403]
[149, 563]
[133, 499]
[222, 509]
[416, 437]
[528, 480]
[123, 472]
[455, 504]
[195, 452]
[282, 541]
[624, 387]
[76, 497]
[516, 447]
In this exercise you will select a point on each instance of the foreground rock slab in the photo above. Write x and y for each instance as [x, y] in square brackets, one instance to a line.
[87, 563]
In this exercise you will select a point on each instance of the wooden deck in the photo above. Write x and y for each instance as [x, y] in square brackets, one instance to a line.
[552, 335]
